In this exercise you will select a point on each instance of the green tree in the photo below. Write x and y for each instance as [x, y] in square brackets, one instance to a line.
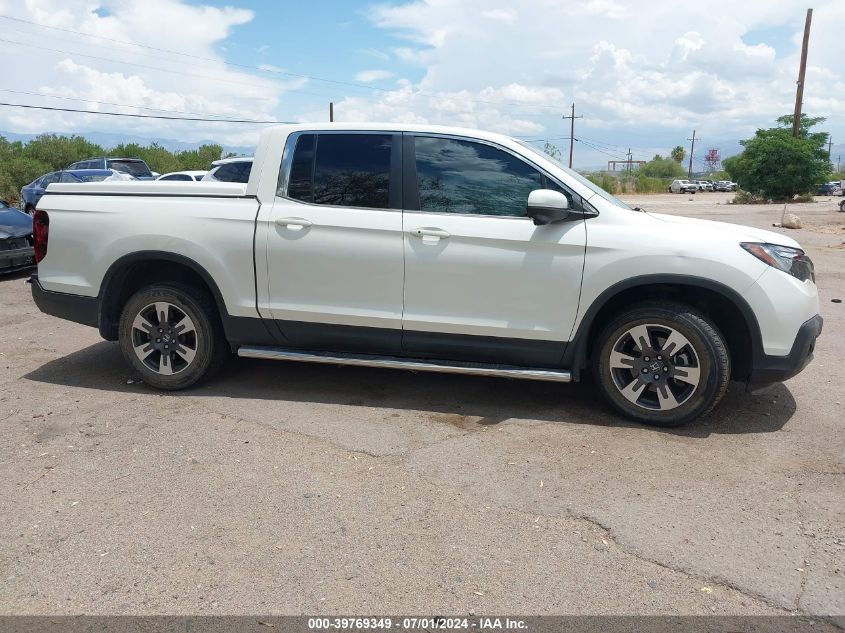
[774, 164]
[659, 167]
[678, 154]
[57, 152]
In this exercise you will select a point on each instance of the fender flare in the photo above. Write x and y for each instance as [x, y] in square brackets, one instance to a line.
[575, 354]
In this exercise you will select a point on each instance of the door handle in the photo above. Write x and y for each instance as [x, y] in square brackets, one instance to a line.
[294, 224]
[424, 233]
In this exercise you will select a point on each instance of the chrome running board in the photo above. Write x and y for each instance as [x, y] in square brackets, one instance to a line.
[413, 364]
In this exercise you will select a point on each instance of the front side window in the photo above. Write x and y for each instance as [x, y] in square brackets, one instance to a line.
[457, 176]
[348, 170]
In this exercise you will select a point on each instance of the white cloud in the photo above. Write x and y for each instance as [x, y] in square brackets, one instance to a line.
[505, 16]
[657, 69]
[367, 76]
[96, 69]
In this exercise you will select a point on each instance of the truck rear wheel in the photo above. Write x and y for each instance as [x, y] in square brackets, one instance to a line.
[170, 334]
[661, 364]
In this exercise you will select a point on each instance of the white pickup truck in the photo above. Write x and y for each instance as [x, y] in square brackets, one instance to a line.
[431, 249]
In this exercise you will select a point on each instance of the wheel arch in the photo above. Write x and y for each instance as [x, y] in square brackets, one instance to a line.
[135, 270]
[721, 304]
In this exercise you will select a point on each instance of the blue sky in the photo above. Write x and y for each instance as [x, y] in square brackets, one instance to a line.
[643, 76]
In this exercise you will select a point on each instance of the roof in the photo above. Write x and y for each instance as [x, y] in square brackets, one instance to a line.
[141, 160]
[234, 159]
[392, 127]
[187, 172]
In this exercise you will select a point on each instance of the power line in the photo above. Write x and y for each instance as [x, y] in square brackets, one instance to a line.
[120, 105]
[139, 116]
[245, 66]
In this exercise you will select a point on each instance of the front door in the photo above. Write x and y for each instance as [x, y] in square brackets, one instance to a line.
[482, 282]
[334, 248]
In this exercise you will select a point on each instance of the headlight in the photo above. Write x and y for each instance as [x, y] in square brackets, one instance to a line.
[790, 260]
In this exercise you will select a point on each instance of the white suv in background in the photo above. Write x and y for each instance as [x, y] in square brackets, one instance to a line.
[683, 186]
[230, 170]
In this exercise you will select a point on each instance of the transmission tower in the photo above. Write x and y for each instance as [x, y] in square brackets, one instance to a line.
[712, 159]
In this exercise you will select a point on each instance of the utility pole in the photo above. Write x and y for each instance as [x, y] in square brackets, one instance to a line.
[331, 111]
[829, 147]
[572, 118]
[799, 92]
[629, 162]
[691, 150]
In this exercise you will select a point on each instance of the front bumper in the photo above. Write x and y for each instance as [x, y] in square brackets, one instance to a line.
[770, 369]
[76, 308]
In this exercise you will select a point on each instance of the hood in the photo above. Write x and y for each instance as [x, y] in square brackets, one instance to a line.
[14, 223]
[725, 230]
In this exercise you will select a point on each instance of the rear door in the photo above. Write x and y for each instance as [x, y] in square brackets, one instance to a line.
[334, 246]
[482, 282]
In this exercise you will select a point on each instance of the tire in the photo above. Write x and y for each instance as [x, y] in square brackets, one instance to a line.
[842, 206]
[669, 394]
[196, 347]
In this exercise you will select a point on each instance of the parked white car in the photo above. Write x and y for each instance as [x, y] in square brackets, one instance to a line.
[230, 170]
[683, 186]
[432, 249]
[183, 176]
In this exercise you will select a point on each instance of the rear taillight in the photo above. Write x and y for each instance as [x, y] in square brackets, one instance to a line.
[40, 234]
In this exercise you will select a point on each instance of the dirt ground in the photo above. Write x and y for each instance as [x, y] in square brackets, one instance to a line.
[287, 488]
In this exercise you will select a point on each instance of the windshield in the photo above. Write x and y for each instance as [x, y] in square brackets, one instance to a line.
[133, 167]
[574, 174]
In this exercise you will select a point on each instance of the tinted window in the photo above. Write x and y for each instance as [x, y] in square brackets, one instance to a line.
[456, 176]
[176, 177]
[301, 169]
[66, 177]
[233, 172]
[350, 170]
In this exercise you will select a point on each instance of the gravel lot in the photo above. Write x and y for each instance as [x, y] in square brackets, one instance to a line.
[289, 488]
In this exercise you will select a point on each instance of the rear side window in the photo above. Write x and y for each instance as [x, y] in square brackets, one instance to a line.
[176, 177]
[348, 170]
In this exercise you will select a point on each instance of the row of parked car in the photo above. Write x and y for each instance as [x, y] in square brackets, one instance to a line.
[104, 168]
[692, 186]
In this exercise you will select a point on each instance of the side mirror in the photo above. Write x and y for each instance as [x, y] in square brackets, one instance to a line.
[546, 206]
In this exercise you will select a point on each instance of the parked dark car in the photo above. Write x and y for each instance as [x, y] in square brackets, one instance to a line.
[16, 251]
[133, 166]
[31, 193]
[826, 189]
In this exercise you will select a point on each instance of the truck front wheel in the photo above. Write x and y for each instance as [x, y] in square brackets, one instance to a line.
[661, 364]
[170, 334]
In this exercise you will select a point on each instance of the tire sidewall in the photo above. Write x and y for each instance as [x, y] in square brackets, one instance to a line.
[709, 386]
[206, 339]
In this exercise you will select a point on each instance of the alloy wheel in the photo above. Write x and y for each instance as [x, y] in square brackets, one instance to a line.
[655, 367]
[164, 338]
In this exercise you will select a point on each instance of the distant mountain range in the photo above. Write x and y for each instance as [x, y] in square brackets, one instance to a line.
[109, 139]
